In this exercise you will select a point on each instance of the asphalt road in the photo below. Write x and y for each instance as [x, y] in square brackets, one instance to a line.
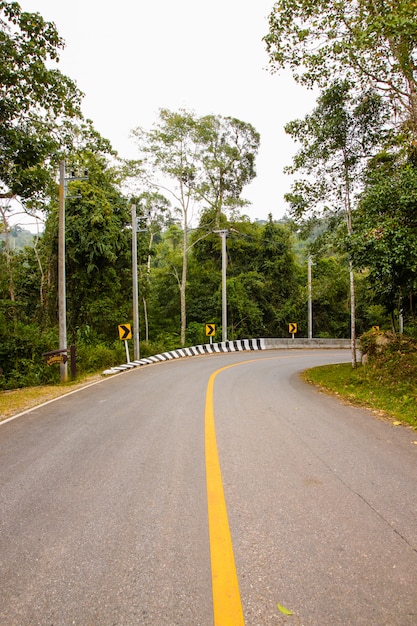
[104, 505]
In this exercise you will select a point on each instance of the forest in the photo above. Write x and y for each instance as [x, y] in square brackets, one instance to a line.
[351, 213]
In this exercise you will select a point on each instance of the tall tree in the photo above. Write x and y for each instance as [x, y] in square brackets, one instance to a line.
[372, 42]
[226, 153]
[170, 150]
[336, 140]
[153, 210]
[206, 163]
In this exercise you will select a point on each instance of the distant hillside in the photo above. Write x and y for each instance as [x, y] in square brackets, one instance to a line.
[19, 238]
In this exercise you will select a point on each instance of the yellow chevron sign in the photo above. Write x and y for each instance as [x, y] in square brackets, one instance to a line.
[292, 328]
[125, 331]
[210, 330]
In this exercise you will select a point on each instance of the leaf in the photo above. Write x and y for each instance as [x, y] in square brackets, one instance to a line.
[396, 423]
[284, 610]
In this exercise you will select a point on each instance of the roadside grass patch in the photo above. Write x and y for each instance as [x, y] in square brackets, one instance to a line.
[387, 385]
[19, 400]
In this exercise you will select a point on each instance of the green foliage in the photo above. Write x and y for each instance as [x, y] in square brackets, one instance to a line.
[330, 289]
[367, 42]
[385, 239]
[336, 140]
[21, 348]
[263, 279]
[34, 101]
[196, 334]
[98, 356]
[98, 250]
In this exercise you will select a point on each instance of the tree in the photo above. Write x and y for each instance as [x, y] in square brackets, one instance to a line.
[263, 278]
[385, 239]
[282, 296]
[336, 139]
[98, 249]
[153, 211]
[226, 152]
[205, 161]
[34, 101]
[371, 42]
[170, 150]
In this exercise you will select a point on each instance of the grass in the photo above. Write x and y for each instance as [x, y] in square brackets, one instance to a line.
[386, 386]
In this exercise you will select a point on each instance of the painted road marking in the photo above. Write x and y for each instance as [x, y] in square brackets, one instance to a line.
[227, 606]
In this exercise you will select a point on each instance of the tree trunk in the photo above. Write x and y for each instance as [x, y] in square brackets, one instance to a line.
[3, 211]
[42, 281]
[145, 317]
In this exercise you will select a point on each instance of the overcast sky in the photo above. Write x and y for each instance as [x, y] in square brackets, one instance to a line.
[134, 57]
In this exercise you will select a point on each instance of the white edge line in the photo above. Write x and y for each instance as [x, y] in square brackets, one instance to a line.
[38, 406]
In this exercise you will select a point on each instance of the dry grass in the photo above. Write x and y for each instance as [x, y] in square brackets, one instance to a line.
[19, 400]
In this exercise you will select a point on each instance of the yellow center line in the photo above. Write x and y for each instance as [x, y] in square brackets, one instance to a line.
[227, 606]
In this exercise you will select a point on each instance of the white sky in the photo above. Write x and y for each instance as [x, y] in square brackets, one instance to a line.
[133, 58]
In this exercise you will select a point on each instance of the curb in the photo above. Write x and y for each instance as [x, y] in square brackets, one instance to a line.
[207, 348]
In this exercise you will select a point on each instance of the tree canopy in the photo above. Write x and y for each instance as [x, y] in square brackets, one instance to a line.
[373, 42]
[35, 99]
[209, 158]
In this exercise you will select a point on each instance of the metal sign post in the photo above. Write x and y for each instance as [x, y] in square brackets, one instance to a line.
[127, 352]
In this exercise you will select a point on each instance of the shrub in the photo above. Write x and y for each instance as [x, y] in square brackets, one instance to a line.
[93, 358]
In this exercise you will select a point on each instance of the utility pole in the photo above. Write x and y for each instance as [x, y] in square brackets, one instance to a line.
[62, 286]
[62, 296]
[223, 234]
[310, 300]
[136, 342]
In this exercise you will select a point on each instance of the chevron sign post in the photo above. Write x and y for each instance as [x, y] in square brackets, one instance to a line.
[210, 331]
[292, 328]
[125, 333]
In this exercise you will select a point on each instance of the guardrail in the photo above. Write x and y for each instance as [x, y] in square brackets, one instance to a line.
[233, 346]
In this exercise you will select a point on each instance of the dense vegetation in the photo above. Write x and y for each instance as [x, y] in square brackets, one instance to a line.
[352, 208]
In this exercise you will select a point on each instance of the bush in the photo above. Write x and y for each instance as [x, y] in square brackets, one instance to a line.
[93, 358]
[373, 342]
[165, 344]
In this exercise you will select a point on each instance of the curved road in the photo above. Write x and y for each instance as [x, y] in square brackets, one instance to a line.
[106, 496]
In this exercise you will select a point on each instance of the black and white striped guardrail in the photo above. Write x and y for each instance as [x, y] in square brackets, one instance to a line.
[207, 348]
